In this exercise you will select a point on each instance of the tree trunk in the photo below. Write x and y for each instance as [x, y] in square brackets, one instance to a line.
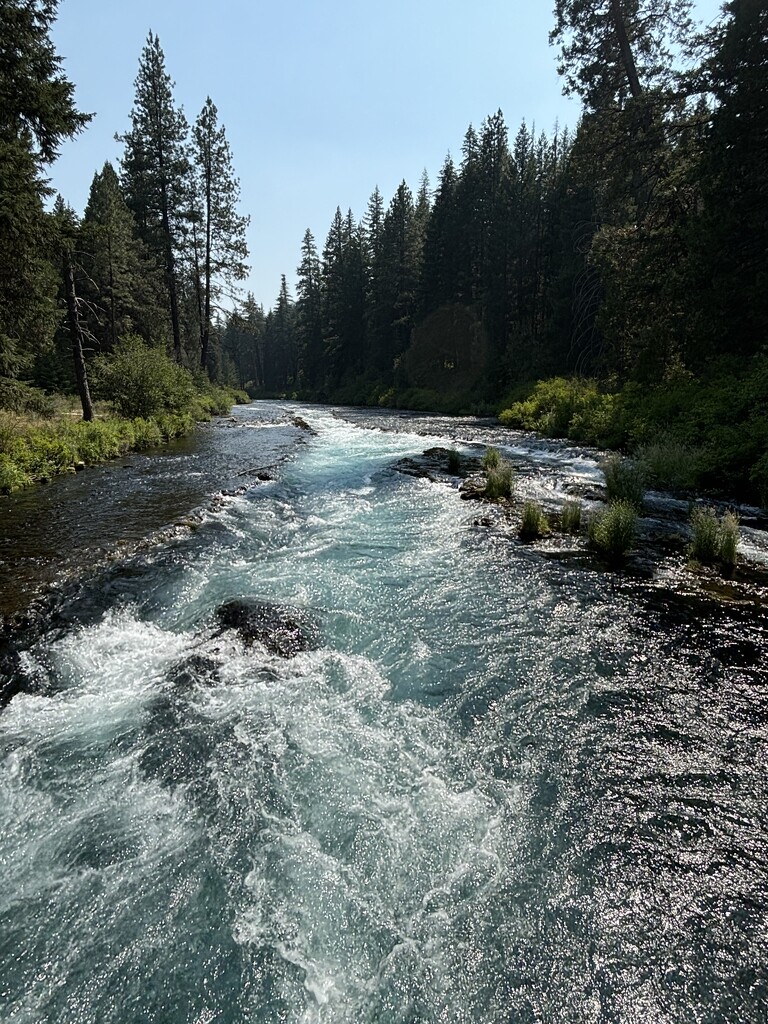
[77, 337]
[207, 311]
[627, 57]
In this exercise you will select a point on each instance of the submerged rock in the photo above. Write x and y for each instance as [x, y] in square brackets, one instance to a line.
[194, 670]
[283, 629]
[437, 464]
[301, 423]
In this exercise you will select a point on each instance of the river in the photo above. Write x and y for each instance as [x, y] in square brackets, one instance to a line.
[505, 785]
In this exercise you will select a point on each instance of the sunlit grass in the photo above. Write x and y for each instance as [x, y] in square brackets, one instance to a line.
[570, 518]
[534, 523]
[612, 531]
[714, 541]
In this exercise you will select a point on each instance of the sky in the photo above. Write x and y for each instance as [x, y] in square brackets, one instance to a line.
[321, 102]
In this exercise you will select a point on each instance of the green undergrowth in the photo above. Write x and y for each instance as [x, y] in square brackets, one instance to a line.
[685, 433]
[143, 399]
[33, 452]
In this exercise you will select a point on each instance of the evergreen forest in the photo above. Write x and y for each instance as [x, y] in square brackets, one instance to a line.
[606, 282]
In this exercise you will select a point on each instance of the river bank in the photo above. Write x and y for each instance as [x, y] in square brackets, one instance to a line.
[705, 434]
[35, 448]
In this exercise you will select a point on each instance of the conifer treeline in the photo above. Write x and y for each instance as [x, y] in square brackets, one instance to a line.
[634, 246]
[432, 291]
[161, 239]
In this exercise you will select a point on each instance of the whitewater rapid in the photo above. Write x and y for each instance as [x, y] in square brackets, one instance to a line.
[501, 789]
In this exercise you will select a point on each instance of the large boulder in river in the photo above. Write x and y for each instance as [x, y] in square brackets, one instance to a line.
[437, 464]
[283, 629]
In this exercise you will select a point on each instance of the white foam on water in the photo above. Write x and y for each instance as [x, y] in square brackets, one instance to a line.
[334, 838]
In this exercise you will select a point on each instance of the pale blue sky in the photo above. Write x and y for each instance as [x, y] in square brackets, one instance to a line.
[321, 101]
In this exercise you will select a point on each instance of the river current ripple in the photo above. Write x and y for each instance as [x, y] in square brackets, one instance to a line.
[505, 787]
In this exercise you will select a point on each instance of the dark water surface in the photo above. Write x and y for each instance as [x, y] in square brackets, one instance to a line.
[506, 786]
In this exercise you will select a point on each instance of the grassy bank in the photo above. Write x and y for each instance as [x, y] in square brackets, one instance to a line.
[685, 433]
[38, 444]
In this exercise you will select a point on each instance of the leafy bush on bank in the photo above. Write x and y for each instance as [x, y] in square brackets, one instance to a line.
[708, 434]
[575, 407]
[154, 399]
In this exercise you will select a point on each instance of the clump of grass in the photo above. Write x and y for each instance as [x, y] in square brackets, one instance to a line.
[492, 459]
[500, 480]
[454, 461]
[612, 531]
[534, 522]
[669, 463]
[715, 541]
[12, 477]
[570, 518]
[729, 539]
[624, 481]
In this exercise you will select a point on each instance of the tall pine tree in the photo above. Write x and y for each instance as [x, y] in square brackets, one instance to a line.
[37, 112]
[156, 173]
[222, 247]
[121, 282]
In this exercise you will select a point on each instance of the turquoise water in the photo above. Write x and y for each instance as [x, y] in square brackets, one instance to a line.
[502, 789]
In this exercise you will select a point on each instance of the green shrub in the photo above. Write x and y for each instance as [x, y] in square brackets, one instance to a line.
[500, 481]
[668, 463]
[714, 541]
[142, 382]
[491, 459]
[454, 461]
[146, 433]
[612, 531]
[534, 523]
[569, 407]
[570, 518]
[624, 481]
[12, 477]
[22, 398]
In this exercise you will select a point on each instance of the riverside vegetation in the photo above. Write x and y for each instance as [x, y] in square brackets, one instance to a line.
[611, 531]
[146, 399]
[684, 433]
[605, 284]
